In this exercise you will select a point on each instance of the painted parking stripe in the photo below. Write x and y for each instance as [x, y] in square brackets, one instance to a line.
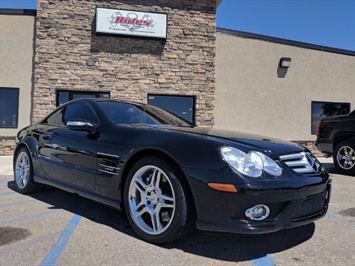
[59, 246]
[19, 219]
[330, 215]
[8, 193]
[264, 261]
[17, 203]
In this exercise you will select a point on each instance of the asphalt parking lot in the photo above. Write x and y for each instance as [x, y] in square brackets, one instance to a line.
[54, 227]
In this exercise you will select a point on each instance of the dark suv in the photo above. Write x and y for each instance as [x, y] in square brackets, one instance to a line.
[336, 137]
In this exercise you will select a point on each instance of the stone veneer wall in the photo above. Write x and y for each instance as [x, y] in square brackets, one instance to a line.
[69, 56]
[7, 145]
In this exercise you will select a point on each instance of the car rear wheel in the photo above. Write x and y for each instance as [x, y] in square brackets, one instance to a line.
[23, 173]
[158, 206]
[344, 157]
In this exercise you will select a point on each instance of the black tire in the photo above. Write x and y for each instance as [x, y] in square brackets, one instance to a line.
[157, 203]
[23, 173]
[344, 157]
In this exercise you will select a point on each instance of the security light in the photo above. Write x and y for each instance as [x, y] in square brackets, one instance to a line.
[285, 62]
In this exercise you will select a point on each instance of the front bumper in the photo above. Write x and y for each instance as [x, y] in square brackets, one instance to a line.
[289, 207]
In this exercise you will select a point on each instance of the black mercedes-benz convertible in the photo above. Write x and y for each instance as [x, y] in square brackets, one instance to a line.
[169, 176]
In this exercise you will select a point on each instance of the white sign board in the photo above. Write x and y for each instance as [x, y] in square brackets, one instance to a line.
[131, 23]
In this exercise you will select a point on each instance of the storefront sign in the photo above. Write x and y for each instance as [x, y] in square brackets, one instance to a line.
[132, 23]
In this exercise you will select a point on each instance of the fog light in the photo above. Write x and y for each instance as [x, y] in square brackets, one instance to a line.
[258, 212]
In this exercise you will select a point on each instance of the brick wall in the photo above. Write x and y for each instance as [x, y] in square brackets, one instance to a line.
[7, 145]
[70, 56]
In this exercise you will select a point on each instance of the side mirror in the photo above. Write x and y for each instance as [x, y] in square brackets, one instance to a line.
[81, 126]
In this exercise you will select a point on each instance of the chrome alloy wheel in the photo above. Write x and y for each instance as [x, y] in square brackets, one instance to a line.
[151, 200]
[22, 170]
[346, 157]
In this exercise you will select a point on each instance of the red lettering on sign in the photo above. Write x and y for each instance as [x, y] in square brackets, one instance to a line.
[132, 21]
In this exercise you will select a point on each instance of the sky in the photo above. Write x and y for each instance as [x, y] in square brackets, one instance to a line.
[322, 22]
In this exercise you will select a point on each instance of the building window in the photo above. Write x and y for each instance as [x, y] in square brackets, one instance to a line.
[65, 96]
[327, 109]
[182, 106]
[9, 98]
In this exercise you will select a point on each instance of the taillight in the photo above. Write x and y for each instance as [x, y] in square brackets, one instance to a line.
[317, 129]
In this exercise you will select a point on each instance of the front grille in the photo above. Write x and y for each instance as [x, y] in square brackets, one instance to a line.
[310, 206]
[276, 208]
[302, 162]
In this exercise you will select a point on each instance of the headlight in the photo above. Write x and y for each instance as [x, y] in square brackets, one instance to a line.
[251, 164]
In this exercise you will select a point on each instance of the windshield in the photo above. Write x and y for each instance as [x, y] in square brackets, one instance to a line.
[125, 113]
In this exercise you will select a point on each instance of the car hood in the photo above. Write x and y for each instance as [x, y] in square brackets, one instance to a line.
[248, 141]
[335, 118]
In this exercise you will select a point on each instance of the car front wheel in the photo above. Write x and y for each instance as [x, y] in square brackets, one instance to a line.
[23, 173]
[157, 204]
[344, 157]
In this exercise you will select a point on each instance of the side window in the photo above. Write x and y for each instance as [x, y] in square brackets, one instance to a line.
[55, 119]
[121, 113]
[78, 111]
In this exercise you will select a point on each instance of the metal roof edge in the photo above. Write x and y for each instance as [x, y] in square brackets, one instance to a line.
[248, 35]
[12, 11]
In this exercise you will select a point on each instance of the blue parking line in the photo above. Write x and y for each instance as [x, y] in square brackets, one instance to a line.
[264, 261]
[330, 215]
[59, 246]
[16, 220]
[8, 193]
[16, 203]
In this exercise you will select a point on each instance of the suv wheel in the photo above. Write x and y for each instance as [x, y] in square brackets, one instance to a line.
[344, 157]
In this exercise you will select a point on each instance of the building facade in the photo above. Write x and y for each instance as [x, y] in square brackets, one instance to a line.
[211, 77]
[71, 56]
[255, 94]
[16, 74]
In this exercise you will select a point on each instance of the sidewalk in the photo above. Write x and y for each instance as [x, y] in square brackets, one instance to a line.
[6, 164]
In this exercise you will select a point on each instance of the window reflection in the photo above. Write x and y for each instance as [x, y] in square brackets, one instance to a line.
[181, 106]
[65, 96]
[9, 107]
[322, 110]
